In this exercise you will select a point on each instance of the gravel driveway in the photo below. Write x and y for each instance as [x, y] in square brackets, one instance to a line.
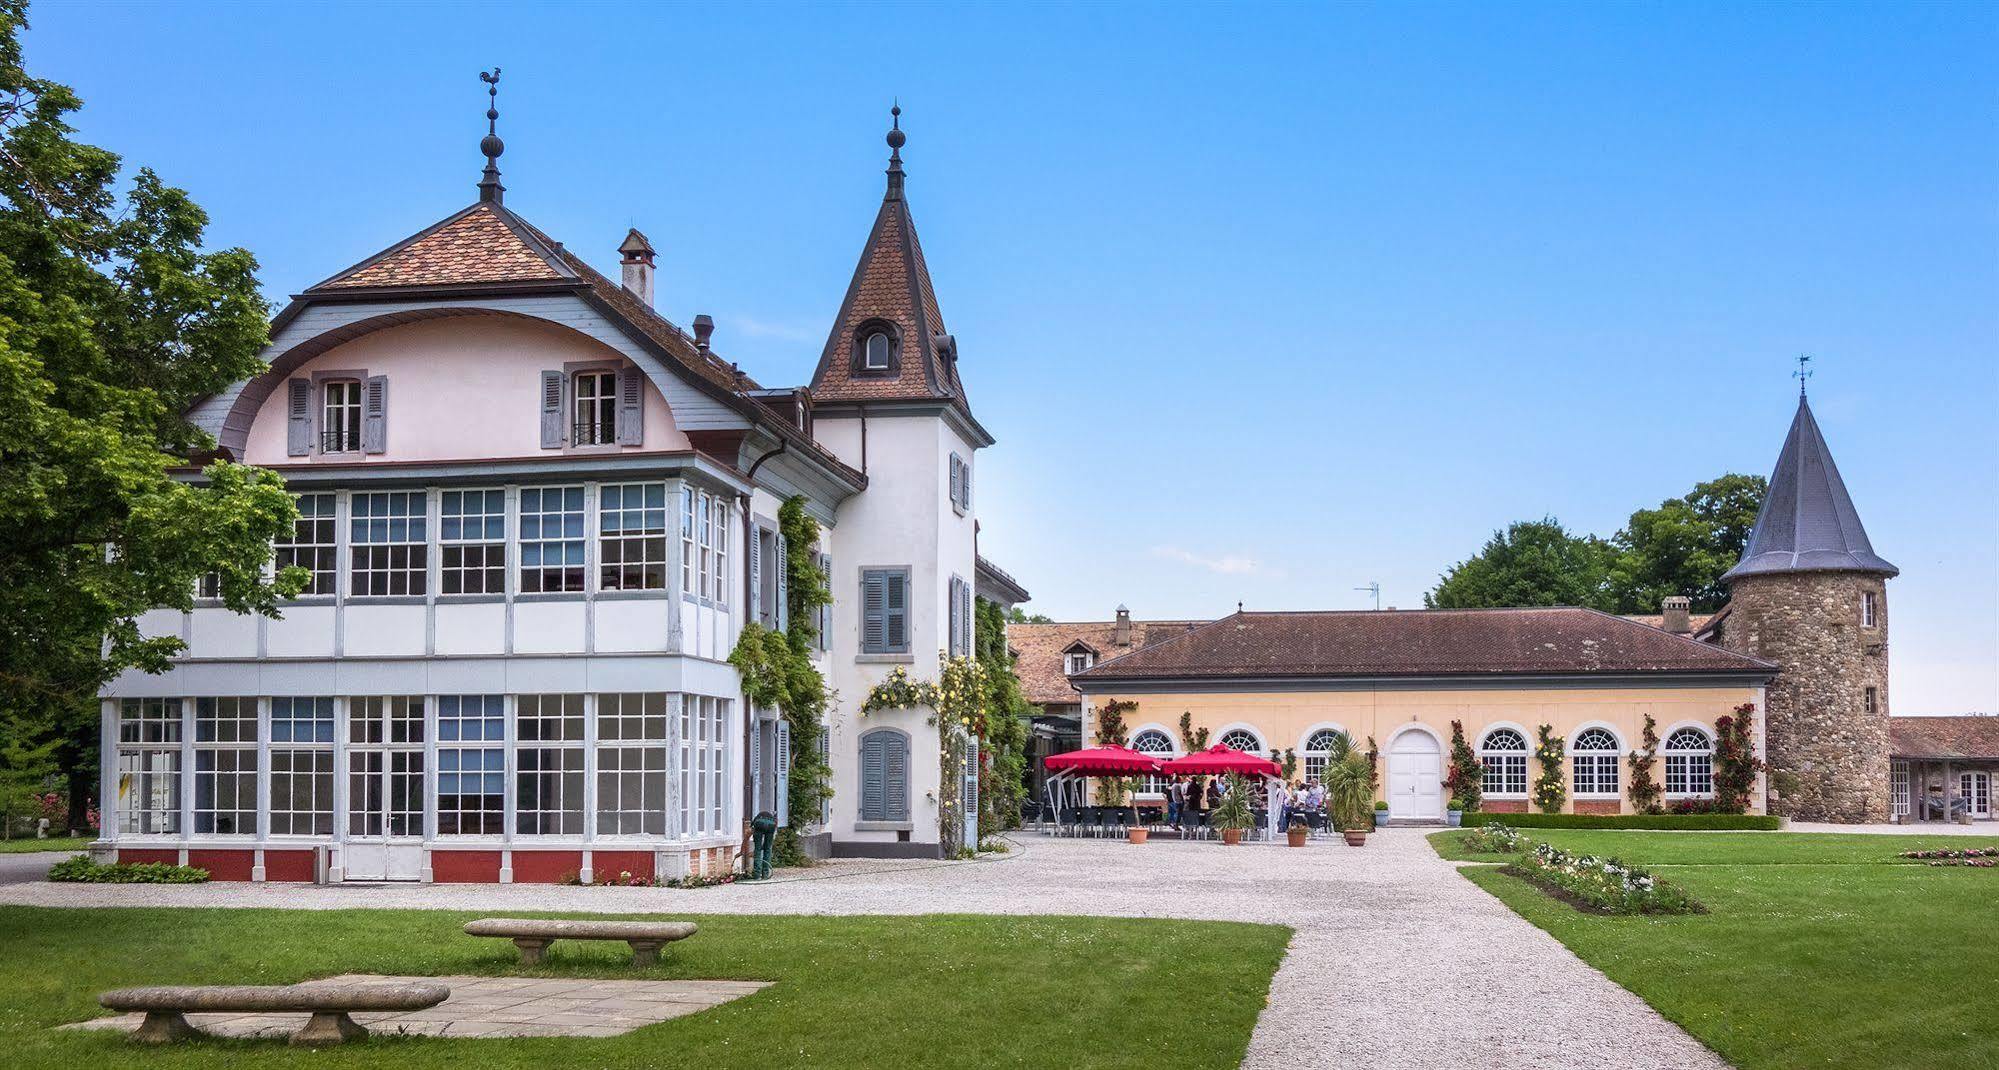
[1397, 962]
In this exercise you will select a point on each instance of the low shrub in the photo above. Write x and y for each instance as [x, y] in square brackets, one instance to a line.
[993, 847]
[1603, 885]
[81, 870]
[1976, 857]
[1493, 838]
[1685, 822]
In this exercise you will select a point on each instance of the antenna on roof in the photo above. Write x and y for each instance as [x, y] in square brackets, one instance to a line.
[490, 189]
[1374, 588]
[1803, 373]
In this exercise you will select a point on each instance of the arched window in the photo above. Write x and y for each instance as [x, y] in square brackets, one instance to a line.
[1595, 753]
[1154, 742]
[1504, 752]
[875, 352]
[1242, 739]
[1689, 762]
[1318, 752]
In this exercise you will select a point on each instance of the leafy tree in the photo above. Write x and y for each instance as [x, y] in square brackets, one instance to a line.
[1684, 545]
[113, 321]
[1017, 615]
[1531, 563]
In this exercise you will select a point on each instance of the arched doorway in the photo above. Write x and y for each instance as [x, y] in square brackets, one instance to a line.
[1415, 777]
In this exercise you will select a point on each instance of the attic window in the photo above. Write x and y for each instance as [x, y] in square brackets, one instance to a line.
[876, 349]
[876, 358]
[1079, 661]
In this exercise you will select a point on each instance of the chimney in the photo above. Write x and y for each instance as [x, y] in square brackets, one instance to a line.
[637, 265]
[704, 329]
[1121, 634]
[1673, 614]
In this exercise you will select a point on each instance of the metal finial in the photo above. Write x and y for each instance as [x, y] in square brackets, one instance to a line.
[896, 138]
[1803, 373]
[489, 180]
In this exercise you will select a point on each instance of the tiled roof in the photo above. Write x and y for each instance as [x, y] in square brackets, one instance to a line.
[1972, 736]
[1043, 679]
[1695, 621]
[1424, 642]
[1808, 522]
[475, 246]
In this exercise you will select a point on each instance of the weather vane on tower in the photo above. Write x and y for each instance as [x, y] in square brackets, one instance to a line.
[489, 180]
[1803, 373]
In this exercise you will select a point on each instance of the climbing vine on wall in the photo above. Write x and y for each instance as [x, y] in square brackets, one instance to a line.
[1002, 780]
[1550, 790]
[1112, 732]
[956, 702]
[1466, 779]
[777, 671]
[1735, 760]
[1644, 786]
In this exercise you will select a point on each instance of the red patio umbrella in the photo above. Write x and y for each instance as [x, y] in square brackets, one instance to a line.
[1102, 761]
[1220, 759]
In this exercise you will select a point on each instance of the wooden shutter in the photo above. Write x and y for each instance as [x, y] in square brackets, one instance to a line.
[631, 407]
[756, 576]
[957, 482]
[874, 777]
[965, 484]
[952, 610]
[969, 796]
[782, 769]
[965, 617]
[551, 411]
[895, 612]
[874, 612]
[375, 415]
[298, 417]
[756, 763]
[895, 784]
[781, 572]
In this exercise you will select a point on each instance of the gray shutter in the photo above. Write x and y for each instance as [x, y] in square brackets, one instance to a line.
[957, 481]
[783, 771]
[951, 611]
[375, 415]
[551, 411]
[895, 785]
[631, 407]
[966, 617]
[895, 612]
[874, 777]
[965, 484]
[756, 575]
[970, 795]
[298, 417]
[781, 572]
[756, 764]
[874, 612]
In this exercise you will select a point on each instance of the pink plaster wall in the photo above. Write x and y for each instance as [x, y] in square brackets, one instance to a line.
[465, 388]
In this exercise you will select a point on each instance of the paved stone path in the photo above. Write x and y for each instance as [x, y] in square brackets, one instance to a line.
[1396, 962]
[496, 1007]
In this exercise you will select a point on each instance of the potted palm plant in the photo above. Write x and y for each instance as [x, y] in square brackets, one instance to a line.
[1350, 783]
[1234, 816]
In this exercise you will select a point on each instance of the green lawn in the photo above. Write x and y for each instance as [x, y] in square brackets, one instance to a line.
[24, 845]
[933, 991]
[1817, 950]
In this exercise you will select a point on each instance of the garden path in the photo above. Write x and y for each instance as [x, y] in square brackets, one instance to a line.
[1397, 963]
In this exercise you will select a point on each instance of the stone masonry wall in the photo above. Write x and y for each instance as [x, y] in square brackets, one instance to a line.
[1828, 756]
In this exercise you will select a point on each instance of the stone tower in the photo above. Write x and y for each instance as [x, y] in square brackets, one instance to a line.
[1811, 595]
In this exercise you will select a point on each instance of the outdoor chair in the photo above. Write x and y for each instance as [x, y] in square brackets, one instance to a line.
[1066, 820]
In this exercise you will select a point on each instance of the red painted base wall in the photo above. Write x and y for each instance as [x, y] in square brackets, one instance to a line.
[465, 867]
[288, 866]
[546, 867]
[223, 865]
[171, 858]
[608, 864]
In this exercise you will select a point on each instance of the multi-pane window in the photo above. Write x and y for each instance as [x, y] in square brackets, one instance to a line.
[1318, 752]
[631, 547]
[631, 764]
[1154, 742]
[1078, 661]
[548, 765]
[1868, 608]
[472, 542]
[885, 611]
[1504, 753]
[718, 542]
[595, 409]
[1870, 700]
[471, 764]
[1242, 739]
[552, 540]
[688, 503]
[209, 586]
[389, 548]
[385, 766]
[149, 735]
[301, 767]
[340, 423]
[225, 766]
[1594, 756]
[312, 546]
[1689, 762]
[1898, 780]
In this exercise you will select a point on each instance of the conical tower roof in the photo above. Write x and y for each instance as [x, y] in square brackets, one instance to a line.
[1808, 522]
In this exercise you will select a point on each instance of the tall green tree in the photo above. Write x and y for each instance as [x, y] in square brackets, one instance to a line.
[1531, 563]
[113, 321]
[1685, 544]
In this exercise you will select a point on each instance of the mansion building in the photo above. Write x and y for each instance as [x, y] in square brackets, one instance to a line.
[537, 515]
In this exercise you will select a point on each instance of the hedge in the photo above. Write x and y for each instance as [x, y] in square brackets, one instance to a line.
[82, 870]
[1685, 822]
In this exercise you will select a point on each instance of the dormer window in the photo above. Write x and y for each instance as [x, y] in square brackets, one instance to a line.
[877, 350]
[595, 412]
[1080, 661]
[340, 416]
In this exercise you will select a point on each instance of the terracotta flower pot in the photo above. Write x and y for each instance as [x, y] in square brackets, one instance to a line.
[1297, 834]
[1137, 835]
[1231, 837]
[1356, 838]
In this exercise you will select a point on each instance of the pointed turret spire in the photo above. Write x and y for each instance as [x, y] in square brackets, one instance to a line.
[1808, 522]
[895, 141]
[490, 189]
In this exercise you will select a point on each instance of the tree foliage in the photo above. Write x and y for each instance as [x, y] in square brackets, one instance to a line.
[1002, 781]
[113, 321]
[1531, 563]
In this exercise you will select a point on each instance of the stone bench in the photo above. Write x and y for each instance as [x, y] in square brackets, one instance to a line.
[329, 1002]
[533, 935]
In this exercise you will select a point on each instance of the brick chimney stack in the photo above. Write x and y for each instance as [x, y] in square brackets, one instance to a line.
[1673, 614]
[637, 256]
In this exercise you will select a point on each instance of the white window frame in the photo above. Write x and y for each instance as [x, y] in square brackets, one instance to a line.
[1312, 760]
[486, 744]
[409, 570]
[1590, 767]
[551, 765]
[314, 544]
[593, 415]
[1077, 661]
[719, 541]
[339, 410]
[628, 558]
[1504, 765]
[868, 362]
[631, 764]
[1242, 730]
[1691, 767]
[1156, 742]
[303, 758]
[150, 792]
[226, 732]
[395, 759]
[1869, 609]
[536, 516]
[481, 517]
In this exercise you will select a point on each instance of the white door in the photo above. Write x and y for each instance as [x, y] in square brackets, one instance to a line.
[384, 815]
[1415, 778]
[1976, 790]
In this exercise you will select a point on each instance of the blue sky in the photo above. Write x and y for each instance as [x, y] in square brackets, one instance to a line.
[1263, 303]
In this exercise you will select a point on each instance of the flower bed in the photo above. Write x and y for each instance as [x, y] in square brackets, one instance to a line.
[82, 870]
[1709, 822]
[1976, 857]
[1602, 885]
[1495, 839]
